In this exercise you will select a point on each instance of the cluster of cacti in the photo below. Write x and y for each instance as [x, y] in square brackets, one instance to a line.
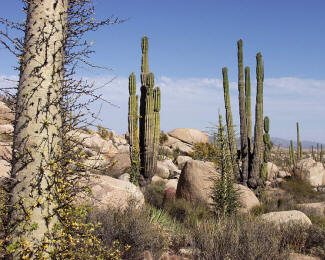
[144, 144]
[319, 153]
[251, 155]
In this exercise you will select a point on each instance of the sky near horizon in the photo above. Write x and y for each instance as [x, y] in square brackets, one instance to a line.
[189, 43]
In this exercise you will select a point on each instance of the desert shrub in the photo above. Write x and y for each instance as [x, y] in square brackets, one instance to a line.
[163, 138]
[102, 132]
[154, 194]
[204, 152]
[238, 237]
[187, 212]
[164, 154]
[315, 242]
[301, 191]
[133, 228]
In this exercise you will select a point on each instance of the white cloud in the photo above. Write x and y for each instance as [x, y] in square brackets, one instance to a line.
[194, 102]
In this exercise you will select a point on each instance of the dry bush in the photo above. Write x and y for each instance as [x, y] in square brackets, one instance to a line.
[133, 228]
[154, 194]
[237, 238]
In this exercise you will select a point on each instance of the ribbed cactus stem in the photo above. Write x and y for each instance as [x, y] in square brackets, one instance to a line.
[156, 115]
[242, 115]
[133, 130]
[144, 61]
[298, 143]
[248, 102]
[317, 152]
[258, 131]
[267, 140]
[292, 153]
[321, 153]
[229, 121]
[312, 152]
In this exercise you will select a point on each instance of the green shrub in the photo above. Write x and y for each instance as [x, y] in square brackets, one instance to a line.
[154, 194]
[163, 138]
[204, 152]
[301, 191]
[102, 132]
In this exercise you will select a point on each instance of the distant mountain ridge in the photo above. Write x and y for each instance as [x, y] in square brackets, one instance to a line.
[284, 143]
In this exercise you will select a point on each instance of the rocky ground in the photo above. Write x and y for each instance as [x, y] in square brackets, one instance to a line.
[183, 176]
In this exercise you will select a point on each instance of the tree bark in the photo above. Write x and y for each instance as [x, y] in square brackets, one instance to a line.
[38, 121]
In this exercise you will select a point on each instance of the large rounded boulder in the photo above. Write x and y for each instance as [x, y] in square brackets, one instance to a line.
[189, 135]
[195, 181]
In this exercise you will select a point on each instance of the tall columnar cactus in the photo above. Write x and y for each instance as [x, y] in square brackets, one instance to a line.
[133, 130]
[242, 115]
[149, 130]
[313, 153]
[321, 153]
[248, 105]
[299, 150]
[156, 117]
[229, 121]
[317, 152]
[258, 131]
[267, 146]
[292, 153]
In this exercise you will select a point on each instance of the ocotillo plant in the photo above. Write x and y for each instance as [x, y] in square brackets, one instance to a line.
[133, 130]
[229, 121]
[242, 114]
[148, 136]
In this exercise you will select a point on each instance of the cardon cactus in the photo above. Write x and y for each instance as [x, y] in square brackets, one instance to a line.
[299, 147]
[149, 130]
[292, 154]
[267, 147]
[229, 121]
[242, 115]
[258, 132]
[133, 130]
[248, 105]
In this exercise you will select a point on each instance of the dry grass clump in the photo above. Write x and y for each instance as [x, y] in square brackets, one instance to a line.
[133, 228]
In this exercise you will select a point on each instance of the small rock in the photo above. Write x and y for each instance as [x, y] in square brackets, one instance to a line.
[181, 160]
[172, 184]
[316, 208]
[124, 177]
[189, 135]
[162, 170]
[272, 171]
[157, 179]
[283, 174]
[247, 198]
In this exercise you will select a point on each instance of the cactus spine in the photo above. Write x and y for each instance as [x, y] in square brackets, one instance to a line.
[144, 144]
[248, 105]
[258, 131]
[229, 121]
[133, 130]
[242, 115]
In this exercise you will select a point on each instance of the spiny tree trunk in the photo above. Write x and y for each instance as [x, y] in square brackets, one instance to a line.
[37, 122]
[242, 115]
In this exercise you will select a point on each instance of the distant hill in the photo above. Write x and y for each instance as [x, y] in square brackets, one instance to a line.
[284, 143]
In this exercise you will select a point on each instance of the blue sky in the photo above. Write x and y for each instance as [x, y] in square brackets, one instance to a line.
[190, 42]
